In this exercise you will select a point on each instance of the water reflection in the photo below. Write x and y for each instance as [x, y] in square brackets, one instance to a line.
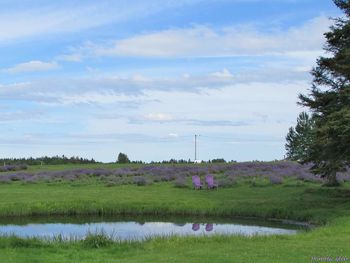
[195, 227]
[132, 230]
[208, 227]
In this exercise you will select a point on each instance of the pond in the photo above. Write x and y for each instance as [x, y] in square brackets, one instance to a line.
[136, 228]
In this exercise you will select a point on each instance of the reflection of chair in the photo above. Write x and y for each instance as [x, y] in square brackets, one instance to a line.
[195, 227]
[209, 179]
[196, 182]
[209, 227]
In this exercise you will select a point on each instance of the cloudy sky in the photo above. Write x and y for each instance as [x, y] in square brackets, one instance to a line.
[95, 78]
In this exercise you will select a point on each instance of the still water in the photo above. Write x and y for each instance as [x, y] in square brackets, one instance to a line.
[128, 229]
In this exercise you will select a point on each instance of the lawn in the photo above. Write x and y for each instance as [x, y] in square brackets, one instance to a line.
[308, 202]
[328, 207]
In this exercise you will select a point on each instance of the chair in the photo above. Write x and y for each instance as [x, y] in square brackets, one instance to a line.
[209, 179]
[196, 182]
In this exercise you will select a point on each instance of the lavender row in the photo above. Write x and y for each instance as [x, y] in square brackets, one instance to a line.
[10, 168]
[225, 174]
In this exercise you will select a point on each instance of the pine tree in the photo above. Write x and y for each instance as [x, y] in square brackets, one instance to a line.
[299, 138]
[329, 102]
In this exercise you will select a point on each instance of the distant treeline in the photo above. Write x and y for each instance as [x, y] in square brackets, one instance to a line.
[171, 161]
[182, 161]
[122, 158]
[46, 160]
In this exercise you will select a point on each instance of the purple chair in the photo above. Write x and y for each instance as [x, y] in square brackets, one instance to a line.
[209, 179]
[209, 227]
[196, 182]
[195, 227]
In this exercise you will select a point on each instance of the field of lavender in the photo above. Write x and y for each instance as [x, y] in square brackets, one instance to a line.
[225, 175]
[15, 167]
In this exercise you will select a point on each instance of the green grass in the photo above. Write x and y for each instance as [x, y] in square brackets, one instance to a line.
[304, 202]
[307, 202]
[330, 241]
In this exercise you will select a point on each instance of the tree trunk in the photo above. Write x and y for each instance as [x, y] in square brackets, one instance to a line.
[332, 179]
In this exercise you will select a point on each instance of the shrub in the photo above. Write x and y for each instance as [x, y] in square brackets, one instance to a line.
[343, 177]
[275, 179]
[308, 177]
[9, 168]
[5, 179]
[226, 182]
[140, 180]
[181, 182]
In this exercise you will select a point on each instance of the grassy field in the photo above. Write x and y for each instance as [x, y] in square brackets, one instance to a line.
[310, 202]
[331, 241]
[307, 202]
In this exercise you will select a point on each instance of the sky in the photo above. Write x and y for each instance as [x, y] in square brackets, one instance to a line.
[95, 78]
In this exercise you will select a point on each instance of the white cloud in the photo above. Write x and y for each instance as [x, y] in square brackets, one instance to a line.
[179, 112]
[70, 58]
[204, 41]
[20, 115]
[216, 114]
[110, 89]
[225, 73]
[158, 117]
[57, 17]
[32, 66]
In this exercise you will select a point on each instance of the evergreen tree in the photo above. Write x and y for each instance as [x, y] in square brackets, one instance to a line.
[329, 101]
[299, 138]
[123, 158]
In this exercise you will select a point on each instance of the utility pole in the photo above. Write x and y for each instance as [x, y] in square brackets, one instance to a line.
[195, 146]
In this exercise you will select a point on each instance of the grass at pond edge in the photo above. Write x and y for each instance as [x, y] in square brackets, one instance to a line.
[309, 202]
[328, 241]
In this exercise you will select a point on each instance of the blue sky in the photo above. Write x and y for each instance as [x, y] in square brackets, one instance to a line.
[95, 78]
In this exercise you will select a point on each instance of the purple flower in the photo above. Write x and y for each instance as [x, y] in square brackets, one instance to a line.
[140, 180]
[181, 182]
[275, 179]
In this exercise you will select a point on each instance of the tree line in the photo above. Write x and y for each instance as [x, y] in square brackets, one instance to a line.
[46, 160]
